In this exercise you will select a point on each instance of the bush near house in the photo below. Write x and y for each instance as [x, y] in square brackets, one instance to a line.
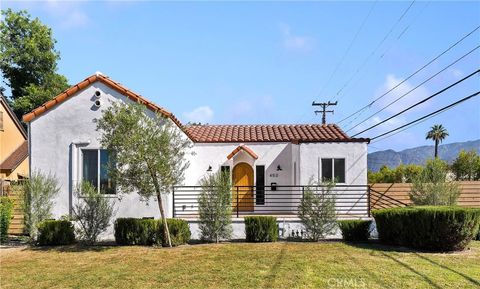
[355, 230]
[261, 229]
[6, 209]
[148, 232]
[437, 228]
[55, 232]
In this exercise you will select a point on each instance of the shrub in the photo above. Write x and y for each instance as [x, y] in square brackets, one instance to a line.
[355, 230]
[431, 187]
[179, 232]
[39, 192]
[317, 212]
[6, 209]
[215, 207]
[93, 212]
[261, 229]
[438, 228]
[132, 231]
[55, 232]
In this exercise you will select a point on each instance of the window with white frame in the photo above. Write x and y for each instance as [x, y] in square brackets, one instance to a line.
[333, 170]
[94, 170]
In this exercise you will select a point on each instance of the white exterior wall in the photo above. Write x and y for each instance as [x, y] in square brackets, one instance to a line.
[53, 137]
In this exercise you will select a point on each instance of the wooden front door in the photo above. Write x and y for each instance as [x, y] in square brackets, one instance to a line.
[243, 185]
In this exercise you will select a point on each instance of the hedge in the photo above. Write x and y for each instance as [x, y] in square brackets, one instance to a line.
[437, 228]
[261, 229]
[147, 232]
[6, 210]
[55, 232]
[355, 230]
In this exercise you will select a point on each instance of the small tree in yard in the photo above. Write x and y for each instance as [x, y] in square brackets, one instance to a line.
[93, 212]
[466, 166]
[317, 211]
[215, 207]
[431, 187]
[149, 152]
[39, 192]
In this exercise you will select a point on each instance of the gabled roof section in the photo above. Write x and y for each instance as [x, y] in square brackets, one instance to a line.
[15, 158]
[244, 148]
[295, 133]
[110, 83]
[12, 115]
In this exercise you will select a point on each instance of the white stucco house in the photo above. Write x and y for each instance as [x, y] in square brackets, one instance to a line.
[269, 164]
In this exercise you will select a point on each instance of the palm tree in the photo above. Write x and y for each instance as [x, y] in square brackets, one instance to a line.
[437, 133]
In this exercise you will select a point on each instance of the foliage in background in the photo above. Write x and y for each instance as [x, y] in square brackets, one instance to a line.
[261, 229]
[28, 61]
[55, 232]
[93, 212]
[437, 133]
[355, 230]
[429, 227]
[39, 192]
[151, 160]
[317, 211]
[466, 166]
[147, 232]
[215, 207]
[400, 174]
[6, 210]
[431, 187]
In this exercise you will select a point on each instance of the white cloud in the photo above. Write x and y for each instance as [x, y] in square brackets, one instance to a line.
[68, 14]
[406, 100]
[202, 114]
[295, 42]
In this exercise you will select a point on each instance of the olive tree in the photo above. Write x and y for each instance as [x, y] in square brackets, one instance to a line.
[215, 207]
[149, 152]
[317, 211]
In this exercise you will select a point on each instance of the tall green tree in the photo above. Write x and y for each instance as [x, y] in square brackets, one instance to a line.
[149, 152]
[437, 133]
[466, 166]
[28, 61]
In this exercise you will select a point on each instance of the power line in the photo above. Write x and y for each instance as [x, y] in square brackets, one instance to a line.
[411, 75]
[348, 48]
[413, 89]
[428, 115]
[376, 48]
[418, 103]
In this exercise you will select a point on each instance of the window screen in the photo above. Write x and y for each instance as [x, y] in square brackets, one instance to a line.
[90, 167]
[95, 170]
[326, 170]
[260, 185]
[339, 170]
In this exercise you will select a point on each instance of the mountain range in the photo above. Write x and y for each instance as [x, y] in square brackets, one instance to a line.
[418, 155]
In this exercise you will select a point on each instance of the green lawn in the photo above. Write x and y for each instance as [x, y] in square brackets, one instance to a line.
[239, 265]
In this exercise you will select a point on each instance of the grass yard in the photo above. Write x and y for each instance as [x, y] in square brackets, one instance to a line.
[239, 265]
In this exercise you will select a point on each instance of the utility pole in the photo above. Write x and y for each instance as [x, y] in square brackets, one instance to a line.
[324, 110]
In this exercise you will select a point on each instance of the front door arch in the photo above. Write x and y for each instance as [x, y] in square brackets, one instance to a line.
[243, 187]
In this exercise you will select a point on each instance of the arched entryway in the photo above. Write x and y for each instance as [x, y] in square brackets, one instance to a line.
[243, 187]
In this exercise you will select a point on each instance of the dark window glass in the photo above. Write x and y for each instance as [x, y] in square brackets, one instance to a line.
[260, 185]
[106, 184]
[90, 167]
[327, 170]
[225, 169]
[339, 167]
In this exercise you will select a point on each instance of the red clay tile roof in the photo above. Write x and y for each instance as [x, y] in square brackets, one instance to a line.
[15, 158]
[269, 133]
[110, 83]
[242, 148]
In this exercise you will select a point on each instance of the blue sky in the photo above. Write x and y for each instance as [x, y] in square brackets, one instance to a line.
[265, 62]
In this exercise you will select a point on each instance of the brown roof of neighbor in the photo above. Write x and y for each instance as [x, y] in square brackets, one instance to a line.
[15, 158]
[242, 148]
[296, 133]
[110, 83]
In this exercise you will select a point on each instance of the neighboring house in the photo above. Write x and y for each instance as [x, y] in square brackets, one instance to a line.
[267, 162]
[13, 145]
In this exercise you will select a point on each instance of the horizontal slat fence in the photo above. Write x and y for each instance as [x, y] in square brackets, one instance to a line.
[15, 193]
[387, 195]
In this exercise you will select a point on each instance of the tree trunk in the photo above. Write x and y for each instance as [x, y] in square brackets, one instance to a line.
[436, 148]
[166, 231]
